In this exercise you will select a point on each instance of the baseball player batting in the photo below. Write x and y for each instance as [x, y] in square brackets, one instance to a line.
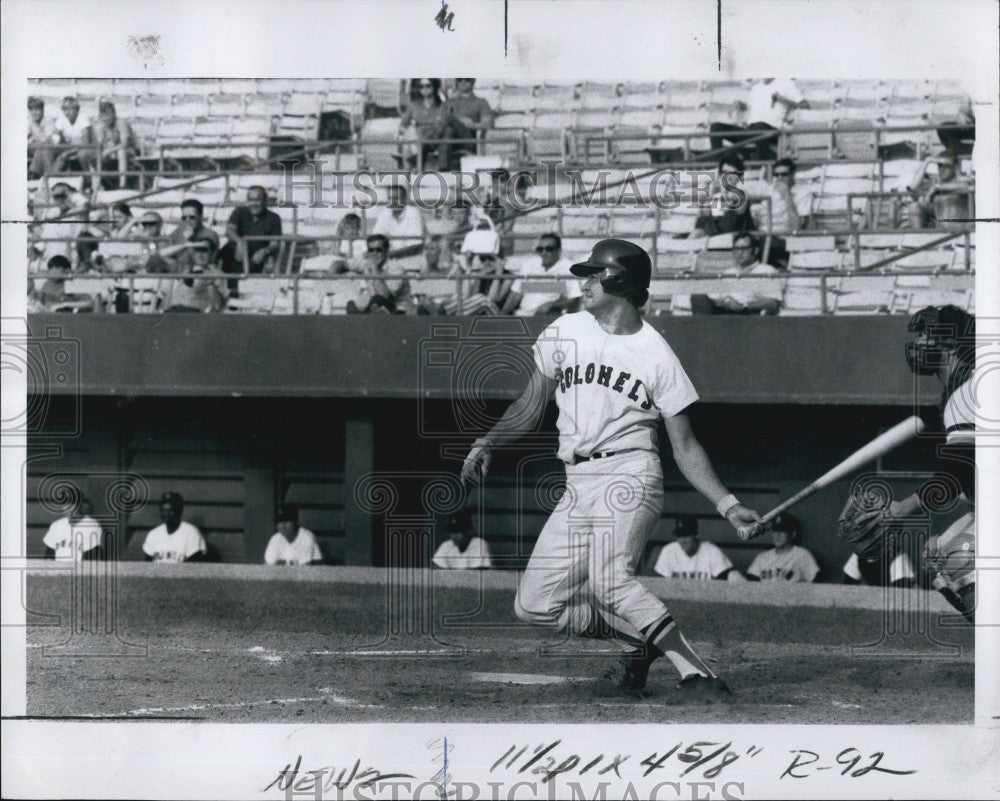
[613, 377]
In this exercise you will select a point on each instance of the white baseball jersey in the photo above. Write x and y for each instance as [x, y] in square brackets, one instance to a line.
[901, 568]
[708, 562]
[537, 293]
[959, 417]
[300, 551]
[71, 540]
[613, 389]
[762, 107]
[176, 547]
[476, 555]
[793, 564]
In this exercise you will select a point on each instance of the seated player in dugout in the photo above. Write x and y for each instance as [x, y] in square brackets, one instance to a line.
[688, 557]
[463, 550]
[174, 540]
[291, 544]
[76, 537]
[945, 347]
[787, 560]
[897, 572]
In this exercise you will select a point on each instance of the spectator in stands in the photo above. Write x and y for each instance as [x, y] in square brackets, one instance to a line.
[246, 223]
[401, 222]
[944, 191]
[688, 557]
[770, 103]
[481, 281]
[429, 118]
[71, 130]
[729, 204]
[76, 537]
[291, 544]
[788, 211]
[433, 288]
[350, 244]
[174, 540]
[746, 254]
[463, 550]
[122, 221]
[787, 560]
[471, 116]
[958, 141]
[41, 136]
[150, 225]
[197, 294]
[384, 294]
[192, 228]
[53, 297]
[115, 147]
[881, 572]
[562, 294]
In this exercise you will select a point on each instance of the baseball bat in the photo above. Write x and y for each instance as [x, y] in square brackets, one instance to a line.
[882, 444]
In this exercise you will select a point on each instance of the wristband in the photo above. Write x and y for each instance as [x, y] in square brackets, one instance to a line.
[724, 506]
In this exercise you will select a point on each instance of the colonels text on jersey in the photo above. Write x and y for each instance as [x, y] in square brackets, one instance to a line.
[612, 389]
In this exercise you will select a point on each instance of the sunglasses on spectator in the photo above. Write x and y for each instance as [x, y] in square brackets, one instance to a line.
[376, 250]
[426, 86]
[546, 249]
[60, 196]
[149, 223]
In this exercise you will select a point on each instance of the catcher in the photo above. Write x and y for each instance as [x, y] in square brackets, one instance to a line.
[945, 347]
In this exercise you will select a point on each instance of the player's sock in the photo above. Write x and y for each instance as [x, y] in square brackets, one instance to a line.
[666, 637]
[605, 625]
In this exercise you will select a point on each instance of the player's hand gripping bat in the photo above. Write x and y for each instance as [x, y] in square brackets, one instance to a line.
[882, 444]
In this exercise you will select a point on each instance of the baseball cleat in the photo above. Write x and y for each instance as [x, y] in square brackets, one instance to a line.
[698, 689]
[630, 674]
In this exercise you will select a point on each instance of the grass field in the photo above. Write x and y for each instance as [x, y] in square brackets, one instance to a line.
[323, 645]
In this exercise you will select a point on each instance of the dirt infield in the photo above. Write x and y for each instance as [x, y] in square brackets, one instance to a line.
[226, 646]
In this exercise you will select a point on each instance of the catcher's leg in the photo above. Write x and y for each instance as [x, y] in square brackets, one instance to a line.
[951, 561]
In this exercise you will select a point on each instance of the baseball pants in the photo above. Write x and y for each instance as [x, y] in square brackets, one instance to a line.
[586, 555]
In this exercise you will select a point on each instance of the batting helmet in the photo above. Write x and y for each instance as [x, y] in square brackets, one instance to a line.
[945, 328]
[630, 265]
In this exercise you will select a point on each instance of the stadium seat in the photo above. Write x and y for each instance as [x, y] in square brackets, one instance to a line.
[584, 222]
[556, 98]
[229, 105]
[854, 140]
[516, 99]
[629, 221]
[642, 101]
[826, 260]
[802, 297]
[598, 96]
[801, 244]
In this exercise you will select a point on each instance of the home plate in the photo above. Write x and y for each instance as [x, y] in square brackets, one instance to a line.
[523, 678]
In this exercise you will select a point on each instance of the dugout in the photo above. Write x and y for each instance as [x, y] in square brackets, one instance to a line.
[353, 418]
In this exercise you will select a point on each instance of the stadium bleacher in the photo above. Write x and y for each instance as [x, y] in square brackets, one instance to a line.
[211, 139]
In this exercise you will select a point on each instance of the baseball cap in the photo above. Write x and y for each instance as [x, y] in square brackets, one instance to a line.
[786, 522]
[173, 498]
[286, 513]
[460, 522]
[687, 526]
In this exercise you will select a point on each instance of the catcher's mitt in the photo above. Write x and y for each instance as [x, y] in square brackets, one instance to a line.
[866, 528]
